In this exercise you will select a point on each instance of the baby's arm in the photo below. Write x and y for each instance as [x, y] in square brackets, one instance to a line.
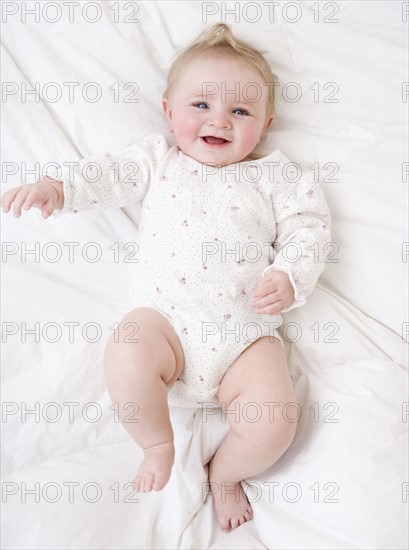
[47, 195]
[303, 234]
[104, 181]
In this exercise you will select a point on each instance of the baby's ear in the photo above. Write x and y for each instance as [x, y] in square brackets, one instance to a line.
[268, 123]
[168, 112]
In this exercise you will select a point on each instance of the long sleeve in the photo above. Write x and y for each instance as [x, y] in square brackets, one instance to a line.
[112, 180]
[303, 231]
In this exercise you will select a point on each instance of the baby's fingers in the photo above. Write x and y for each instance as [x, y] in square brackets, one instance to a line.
[8, 198]
[20, 200]
[35, 197]
[47, 209]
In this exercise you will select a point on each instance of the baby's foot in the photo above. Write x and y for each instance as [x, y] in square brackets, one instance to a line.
[154, 472]
[230, 503]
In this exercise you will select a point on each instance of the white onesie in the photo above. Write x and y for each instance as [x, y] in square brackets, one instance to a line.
[206, 236]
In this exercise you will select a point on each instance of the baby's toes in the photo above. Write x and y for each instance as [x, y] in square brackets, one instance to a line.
[148, 483]
[225, 524]
[159, 483]
[235, 523]
[248, 513]
[139, 482]
[242, 520]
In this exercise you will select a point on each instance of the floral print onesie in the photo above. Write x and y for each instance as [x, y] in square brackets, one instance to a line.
[206, 236]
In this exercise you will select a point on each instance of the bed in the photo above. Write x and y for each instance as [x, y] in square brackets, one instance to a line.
[99, 71]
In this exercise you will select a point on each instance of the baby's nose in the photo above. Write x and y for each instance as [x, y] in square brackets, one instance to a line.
[220, 121]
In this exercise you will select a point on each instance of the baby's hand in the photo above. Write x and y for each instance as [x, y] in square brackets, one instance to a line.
[273, 293]
[47, 195]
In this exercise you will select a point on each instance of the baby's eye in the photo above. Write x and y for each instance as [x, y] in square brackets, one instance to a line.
[200, 103]
[241, 111]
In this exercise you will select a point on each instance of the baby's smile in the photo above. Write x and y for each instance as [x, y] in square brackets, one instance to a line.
[214, 142]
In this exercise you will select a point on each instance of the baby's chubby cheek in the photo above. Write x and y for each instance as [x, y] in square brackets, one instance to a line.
[248, 140]
[186, 129]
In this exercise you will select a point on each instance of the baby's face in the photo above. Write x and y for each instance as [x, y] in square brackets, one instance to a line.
[218, 97]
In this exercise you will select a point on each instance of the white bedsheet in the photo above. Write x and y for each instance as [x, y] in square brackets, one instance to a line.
[343, 483]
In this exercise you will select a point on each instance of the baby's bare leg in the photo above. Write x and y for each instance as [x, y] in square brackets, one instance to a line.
[141, 359]
[259, 375]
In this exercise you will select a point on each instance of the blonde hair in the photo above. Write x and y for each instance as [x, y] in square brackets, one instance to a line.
[219, 40]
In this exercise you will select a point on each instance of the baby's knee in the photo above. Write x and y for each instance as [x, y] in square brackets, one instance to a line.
[119, 352]
[145, 357]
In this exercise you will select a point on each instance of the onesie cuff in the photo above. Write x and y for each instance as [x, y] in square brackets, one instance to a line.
[65, 175]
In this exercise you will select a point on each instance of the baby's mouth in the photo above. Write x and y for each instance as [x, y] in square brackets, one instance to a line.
[211, 140]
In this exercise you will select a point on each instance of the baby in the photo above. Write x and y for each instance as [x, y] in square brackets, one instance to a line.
[226, 244]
